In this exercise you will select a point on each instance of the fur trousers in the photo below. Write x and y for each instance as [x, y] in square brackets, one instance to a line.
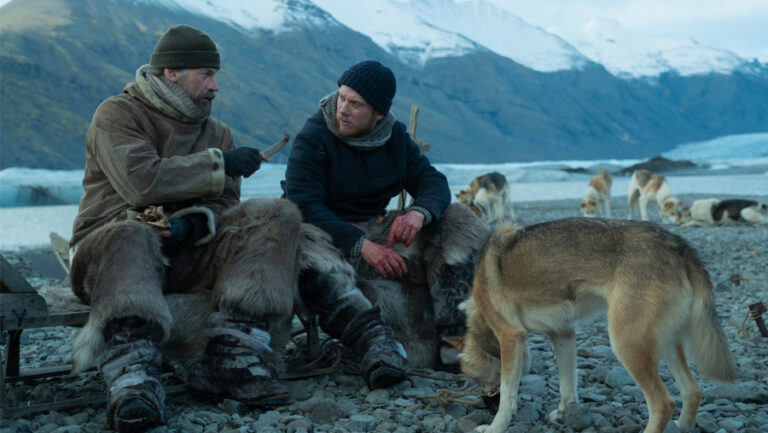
[423, 305]
[248, 270]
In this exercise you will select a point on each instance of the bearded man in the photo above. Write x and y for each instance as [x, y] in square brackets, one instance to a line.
[156, 146]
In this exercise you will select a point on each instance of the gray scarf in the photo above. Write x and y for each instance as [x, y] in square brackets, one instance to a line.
[380, 134]
[168, 97]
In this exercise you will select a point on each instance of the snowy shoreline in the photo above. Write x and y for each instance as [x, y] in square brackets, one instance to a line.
[27, 226]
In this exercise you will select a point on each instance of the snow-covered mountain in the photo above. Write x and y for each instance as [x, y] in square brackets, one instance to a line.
[271, 15]
[630, 54]
[417, 31]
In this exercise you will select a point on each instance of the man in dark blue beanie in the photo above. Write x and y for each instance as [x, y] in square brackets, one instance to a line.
[347, 163]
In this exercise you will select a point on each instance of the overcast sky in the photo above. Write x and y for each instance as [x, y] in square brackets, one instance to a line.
[740, 26]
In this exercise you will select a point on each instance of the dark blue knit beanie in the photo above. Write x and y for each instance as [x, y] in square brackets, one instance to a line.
[373, 81]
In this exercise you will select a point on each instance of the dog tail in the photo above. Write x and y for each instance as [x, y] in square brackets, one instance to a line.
[708, 342]
[501, 240]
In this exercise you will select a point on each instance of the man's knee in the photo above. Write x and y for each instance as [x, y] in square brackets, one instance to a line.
[117, 238]
[264, 209]
[120, 249]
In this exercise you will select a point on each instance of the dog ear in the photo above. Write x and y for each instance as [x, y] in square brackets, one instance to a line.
[457, 342]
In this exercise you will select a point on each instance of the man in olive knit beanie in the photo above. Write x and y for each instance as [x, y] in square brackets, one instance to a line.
[347, 163]
[154, 146]
[154, 152]
[185, 47]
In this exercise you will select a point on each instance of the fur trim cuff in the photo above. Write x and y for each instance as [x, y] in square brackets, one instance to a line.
[218, 178]
[209, 217]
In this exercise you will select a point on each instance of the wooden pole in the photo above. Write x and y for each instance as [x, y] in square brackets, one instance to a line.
[422, 146]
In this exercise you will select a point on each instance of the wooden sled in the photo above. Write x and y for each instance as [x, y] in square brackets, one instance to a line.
[23, 308]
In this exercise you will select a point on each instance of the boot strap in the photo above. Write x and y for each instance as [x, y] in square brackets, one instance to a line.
[132, 370]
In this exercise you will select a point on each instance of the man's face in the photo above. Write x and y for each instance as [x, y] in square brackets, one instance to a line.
[354, 116]
[199, 84]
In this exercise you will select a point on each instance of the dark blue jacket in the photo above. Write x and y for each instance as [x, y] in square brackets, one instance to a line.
[335, 184]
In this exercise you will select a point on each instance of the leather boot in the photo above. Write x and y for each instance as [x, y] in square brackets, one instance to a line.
[235, 364]
[131, 366]
[382, 359]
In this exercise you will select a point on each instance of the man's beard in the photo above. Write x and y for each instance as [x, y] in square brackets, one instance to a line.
[204, 103]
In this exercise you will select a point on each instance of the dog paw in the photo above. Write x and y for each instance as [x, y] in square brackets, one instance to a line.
[556, 415]
[684, 426]
[481, 428]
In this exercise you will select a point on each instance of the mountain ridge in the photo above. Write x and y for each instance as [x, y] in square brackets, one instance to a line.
[475, 108]
[428, 29]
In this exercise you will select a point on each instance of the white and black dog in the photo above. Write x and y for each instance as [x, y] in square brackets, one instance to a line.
[712, 211]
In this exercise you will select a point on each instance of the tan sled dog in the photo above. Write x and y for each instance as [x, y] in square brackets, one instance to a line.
[488, 197]
[545, 277]
[645, 187]
[598, 195]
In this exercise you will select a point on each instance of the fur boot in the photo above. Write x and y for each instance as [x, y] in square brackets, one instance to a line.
[238, 363]
[131, 366]
[347, 315]
[382, 359]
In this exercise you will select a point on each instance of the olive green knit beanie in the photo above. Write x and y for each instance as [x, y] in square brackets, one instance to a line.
[185, 47]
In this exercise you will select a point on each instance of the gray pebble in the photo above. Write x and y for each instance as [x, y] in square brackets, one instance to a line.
[618, 377]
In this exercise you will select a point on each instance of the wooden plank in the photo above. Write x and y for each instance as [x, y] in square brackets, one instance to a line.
[74, 318]
[12, 281]
[30, 374]
[60, 249]
[21, 310]
[19, 301]
[12, 356]
[89, 401]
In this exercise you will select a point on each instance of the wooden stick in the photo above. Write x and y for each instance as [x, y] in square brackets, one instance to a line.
[412, 132]
[271, 150]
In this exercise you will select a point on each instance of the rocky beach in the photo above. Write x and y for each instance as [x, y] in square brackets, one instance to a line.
[429, 401]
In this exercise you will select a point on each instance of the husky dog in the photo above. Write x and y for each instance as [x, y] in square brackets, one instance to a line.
[544, 277]
[598, 195]
[712, 211]
[488, 197]
[644, 187]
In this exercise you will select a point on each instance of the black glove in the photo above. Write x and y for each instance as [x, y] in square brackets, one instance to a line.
[243, 161]
[186, 230]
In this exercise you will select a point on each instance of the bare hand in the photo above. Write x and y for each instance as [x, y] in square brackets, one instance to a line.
[405, 227]
[385, 260]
